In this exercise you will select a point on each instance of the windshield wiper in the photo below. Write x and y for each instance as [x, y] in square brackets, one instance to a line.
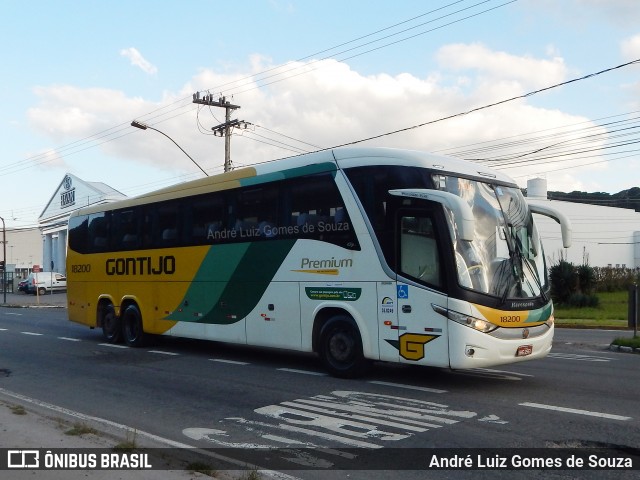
[509, 238]
[533, 273]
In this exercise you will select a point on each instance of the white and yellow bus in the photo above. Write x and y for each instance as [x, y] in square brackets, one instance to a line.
[356, 254]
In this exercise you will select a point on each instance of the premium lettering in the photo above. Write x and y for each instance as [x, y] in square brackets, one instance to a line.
[163, 265]
[326, 263]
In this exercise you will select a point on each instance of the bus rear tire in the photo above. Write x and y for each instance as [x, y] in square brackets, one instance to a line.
[111, 325]
[132, 329]
[340, 348]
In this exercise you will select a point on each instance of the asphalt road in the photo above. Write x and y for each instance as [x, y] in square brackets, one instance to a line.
[211, 395]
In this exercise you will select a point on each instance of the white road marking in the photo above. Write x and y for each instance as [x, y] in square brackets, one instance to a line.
[70, 339]
[304, 372]
[14, 314]
[112, 345]
[222, 360]
[493, 419]
[32, 333]
[161, 352]
[409, 387]
[251, 424]
[491, 370]
[576, 411]
[477, 372]
[585, 358]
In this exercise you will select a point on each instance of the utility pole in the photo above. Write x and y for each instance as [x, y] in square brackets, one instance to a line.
[224, 129]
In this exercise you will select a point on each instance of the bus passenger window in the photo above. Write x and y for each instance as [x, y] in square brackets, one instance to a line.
[98, 232]
[419, 257]
[167, 231]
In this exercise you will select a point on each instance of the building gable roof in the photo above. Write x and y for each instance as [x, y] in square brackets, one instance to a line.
[73, 193]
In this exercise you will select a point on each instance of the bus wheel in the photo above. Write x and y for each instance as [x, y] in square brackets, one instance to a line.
[111, 326]
[132, 331]
[340, 348]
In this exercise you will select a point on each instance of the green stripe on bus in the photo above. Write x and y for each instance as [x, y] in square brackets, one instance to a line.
[290, 173]
[249, 268]
[540, 314]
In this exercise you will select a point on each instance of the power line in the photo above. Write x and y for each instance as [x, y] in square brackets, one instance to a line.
[484, 107]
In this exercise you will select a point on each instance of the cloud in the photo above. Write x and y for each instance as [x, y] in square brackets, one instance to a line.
[491, 66]
[623, 12]
[582, 12]
[136, 59]
[630, 48]
[330, 104]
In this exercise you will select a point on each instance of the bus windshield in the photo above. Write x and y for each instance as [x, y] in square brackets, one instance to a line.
[505, 257]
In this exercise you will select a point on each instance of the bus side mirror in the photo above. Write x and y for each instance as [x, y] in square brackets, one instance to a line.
[462, 212]
[561, 218]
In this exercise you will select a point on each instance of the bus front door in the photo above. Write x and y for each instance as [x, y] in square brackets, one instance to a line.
[422, 331]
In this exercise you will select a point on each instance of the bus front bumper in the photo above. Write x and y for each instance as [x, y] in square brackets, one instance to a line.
[469, 348]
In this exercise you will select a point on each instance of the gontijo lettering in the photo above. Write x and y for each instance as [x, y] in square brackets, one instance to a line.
[162, 265]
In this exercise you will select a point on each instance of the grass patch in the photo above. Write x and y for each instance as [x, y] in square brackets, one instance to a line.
[201, 468]
[80, 429]
[252, 475]
[18, 410]
[129, 444]
[633, 342]
[612, 312]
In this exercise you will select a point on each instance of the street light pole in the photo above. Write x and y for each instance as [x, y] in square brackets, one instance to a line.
[144, 126]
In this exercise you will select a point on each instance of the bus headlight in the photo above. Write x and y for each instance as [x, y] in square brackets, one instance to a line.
[550, 321]
[472, 322]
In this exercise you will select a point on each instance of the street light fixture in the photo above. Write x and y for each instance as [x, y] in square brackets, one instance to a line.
[144, 126]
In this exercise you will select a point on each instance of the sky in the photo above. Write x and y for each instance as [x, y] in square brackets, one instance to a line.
[309, 75]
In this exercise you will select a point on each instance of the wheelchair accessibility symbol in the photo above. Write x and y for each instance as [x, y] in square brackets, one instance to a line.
[403, 291]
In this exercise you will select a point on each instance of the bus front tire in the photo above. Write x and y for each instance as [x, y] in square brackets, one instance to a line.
[132, 329]
[340, 348]
[111, 326]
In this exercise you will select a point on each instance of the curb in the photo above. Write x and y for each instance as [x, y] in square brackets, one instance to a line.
[623, 349]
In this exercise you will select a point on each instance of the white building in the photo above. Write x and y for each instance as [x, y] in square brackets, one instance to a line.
[72, 194]
[602, 236]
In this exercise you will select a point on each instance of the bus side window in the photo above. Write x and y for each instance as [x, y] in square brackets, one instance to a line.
[419, 256]
[79, 233]
[317, 211]
[256, 212]
[125, 228]
[167, 231]
[98, 240]
[205, 218]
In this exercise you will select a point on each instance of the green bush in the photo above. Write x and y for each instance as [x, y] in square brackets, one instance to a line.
[573, 286]
[610, 279]
[587, 279]
[564, 281]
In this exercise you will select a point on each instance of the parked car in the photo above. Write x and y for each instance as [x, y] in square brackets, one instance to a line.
[23, 285]
[46, 282]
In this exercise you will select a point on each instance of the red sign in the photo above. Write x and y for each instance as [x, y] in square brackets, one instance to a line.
[36, 268]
